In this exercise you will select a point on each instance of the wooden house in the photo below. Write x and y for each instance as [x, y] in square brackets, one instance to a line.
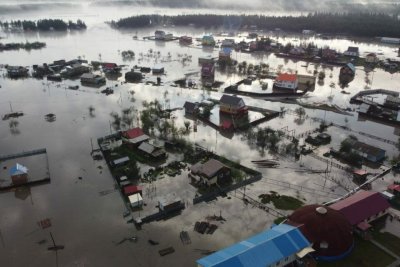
[232, 105]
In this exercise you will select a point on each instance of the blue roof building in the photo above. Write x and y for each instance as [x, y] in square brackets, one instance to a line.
[18, 169]
[277, 246]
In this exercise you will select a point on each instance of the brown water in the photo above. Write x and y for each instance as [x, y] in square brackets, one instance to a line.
[89, 225]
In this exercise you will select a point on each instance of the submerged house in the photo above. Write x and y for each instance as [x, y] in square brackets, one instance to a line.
[352, 51]
[159, 35]
[208, 71]
[157, 70]
[191, 108]
[348, 70]
[17, 71]
[152, 151]
[92, 79]
[185, 40]
[366, 151]
[111, 67]
[19, 174]
[362, 208]
[279, 246]
[232, 105]
[134, 137]
[76, 69]
[208, 40]
[210, 172]
[371, 58]
[328, 54]
[133, 76]
[286, 81]
[225, 54]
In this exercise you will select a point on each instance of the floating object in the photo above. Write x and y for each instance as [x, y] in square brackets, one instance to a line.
[166, 251]
[153, 243]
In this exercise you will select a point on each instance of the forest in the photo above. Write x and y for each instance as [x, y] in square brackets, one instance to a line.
[44, 25]
[355, 24]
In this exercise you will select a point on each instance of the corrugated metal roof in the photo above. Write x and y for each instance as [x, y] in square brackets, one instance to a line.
[146, 147]
[260, 250]
[361, 206]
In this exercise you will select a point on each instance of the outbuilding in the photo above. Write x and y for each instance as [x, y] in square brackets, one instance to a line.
[136, 200]
[19, 174]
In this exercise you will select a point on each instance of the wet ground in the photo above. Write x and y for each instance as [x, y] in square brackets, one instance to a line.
[89, 225]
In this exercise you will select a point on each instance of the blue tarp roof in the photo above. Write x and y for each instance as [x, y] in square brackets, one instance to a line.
[18, 169]
[260, 250]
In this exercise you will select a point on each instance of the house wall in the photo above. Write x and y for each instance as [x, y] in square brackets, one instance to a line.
[286, 84]
[376, 216]
[284, 261]
[351, 54]
[211, 181]
[19, 179]
[230, 108]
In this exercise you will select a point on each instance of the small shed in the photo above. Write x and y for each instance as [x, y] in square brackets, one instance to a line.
[19, 174]
[169, 203]
[191, 108]
[157, 70]
[124, 181]
[133, 76]
[136, 200]
[120, 161]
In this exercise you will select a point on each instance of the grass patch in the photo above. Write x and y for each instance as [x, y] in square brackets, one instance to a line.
[281, 202]
[387, 240]
[365, 254]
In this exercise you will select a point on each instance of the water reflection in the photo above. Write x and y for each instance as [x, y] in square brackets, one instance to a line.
[22, 193]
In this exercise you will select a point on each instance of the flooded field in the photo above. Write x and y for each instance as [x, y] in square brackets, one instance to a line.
[91, 225]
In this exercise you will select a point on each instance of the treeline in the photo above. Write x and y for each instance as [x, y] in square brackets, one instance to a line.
[44, 25]
[356, 24]
[26, 46]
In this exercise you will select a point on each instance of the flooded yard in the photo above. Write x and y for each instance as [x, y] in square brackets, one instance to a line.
[90, 224]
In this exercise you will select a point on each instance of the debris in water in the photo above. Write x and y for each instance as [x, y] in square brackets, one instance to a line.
[166, 251]
[153, 243]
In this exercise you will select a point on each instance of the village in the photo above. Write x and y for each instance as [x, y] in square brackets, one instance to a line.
[191, 132]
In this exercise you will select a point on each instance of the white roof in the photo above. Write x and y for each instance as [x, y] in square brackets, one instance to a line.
[121, 160]
[135, 198]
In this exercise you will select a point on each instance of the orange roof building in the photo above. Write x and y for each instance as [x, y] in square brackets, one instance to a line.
[286, 81]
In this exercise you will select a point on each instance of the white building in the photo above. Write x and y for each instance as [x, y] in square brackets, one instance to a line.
[136, 200]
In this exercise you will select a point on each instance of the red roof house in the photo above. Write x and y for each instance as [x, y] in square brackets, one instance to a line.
[363, 206]
[132, 189]
[134, 136]
[286, 81]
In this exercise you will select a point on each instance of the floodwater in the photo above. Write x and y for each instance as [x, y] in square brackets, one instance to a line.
[90, 225]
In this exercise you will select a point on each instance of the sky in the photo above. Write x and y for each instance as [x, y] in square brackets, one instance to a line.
[262, 5]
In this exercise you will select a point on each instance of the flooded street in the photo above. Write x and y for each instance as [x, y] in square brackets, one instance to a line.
[90, 225]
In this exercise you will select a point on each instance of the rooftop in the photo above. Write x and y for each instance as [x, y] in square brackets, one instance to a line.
[361, 206]
[209, 168]
[261, 250]
[230, 100]
[133, 133]
[287, 77]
